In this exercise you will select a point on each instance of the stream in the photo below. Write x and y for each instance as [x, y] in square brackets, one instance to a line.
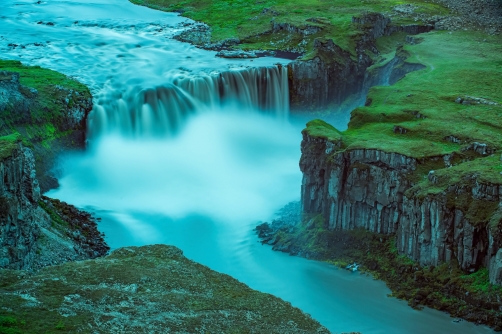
[193, 150]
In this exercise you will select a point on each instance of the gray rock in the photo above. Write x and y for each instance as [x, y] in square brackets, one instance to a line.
[363, 188]
[236, 54]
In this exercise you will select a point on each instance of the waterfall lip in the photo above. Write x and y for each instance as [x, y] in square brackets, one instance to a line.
[105, 42]
[162, 109]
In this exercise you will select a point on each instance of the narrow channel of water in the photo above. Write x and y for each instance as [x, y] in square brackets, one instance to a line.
[204, 187]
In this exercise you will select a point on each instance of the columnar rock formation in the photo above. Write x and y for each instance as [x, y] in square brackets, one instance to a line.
[371, 189]
[20, 215]
[35, 231]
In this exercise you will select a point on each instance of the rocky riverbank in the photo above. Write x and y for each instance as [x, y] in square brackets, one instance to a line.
[140, 290]
[444, 287]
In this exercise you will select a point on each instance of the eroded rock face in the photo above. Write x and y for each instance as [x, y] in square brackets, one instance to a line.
[24, 108]
[20, 216]
[143, 290]
[366, 188]
[32, 236]
[334, 75]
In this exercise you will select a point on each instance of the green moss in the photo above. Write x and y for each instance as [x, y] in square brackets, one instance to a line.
[319, 128]
[10, 325]
[42, 115]
[8, 144]
[424, 101]
[55, 94]
[57, 221]
[40, 78]
[251, 20]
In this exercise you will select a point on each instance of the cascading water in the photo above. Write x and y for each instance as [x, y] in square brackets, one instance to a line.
[233, 162]
[161, 110]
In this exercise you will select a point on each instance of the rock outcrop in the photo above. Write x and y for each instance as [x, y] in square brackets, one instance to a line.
[35, 231]
[51, 116]
[144, 290]
[372, 189]
[334, 74]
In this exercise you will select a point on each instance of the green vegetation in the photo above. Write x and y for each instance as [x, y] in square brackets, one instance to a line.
[133, 289]
[10, 325]
[41, 109]
[39, 78]
[8, 144]
[437, 113]
[49, 94]
[423, 103]
[56, 219]
[319, 128]
[446, 287]
[252, 21]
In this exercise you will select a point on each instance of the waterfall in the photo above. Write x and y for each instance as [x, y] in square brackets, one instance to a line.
[163, 109]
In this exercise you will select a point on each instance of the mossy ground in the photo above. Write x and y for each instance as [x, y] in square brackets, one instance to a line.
[140, 290]
[446, 287]
[459, 64]
[8, 144]
[251, 21]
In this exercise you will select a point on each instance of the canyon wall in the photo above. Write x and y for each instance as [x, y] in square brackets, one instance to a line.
[372, 189]
[53, 118]
[334, 74]
[35, 231]
[20, 215]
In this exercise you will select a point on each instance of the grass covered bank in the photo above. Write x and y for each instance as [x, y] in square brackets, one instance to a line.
[293, 25]
[450, 110]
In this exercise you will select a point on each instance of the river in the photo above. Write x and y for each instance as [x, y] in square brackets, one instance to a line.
[192, 150]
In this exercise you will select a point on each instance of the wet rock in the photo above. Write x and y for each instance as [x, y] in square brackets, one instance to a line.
[236, 54]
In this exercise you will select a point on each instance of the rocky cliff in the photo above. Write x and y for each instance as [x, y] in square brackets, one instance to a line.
[36, 231]
[48, 109]
[334, 74]
[372, 189]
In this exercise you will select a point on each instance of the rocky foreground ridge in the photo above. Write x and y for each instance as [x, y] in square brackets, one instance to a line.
[142, 290]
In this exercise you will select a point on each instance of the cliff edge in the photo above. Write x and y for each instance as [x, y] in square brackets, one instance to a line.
[36, 231]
